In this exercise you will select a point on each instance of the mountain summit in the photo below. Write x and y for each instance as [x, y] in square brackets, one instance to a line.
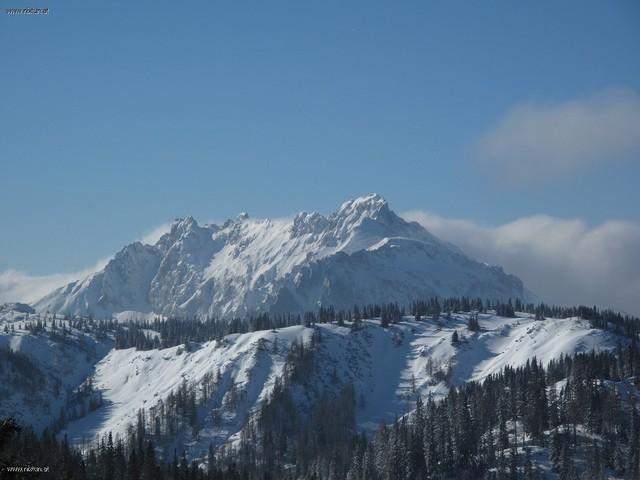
[362, 253]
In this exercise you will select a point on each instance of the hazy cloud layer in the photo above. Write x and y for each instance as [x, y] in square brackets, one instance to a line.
[535, 141]
[562, 261]
[16, 286]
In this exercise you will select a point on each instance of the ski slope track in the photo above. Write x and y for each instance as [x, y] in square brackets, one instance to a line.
[362, 253]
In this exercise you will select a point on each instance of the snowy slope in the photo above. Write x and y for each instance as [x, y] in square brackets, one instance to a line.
[388, 367]
[248, 365]
[362, 253]
[42, 378]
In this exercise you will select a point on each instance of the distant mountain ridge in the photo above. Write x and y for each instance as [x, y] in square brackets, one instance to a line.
[362, 253]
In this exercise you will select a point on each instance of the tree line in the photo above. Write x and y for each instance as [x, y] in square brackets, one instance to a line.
[162, 332]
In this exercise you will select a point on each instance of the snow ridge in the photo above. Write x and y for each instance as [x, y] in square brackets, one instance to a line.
[362, 253]
[388, 367]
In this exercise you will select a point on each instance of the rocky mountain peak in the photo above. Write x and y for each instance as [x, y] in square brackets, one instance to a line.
[362, 253]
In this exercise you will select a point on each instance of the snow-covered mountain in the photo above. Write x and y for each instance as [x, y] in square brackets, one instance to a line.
[388, 367]
[362, 253]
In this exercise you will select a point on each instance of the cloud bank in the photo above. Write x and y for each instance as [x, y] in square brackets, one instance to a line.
[562, 261]
[537, 141]
[16, 286]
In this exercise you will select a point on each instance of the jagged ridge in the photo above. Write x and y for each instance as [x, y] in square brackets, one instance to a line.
[362, 253]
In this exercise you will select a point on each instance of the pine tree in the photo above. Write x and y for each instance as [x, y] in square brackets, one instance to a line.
[149, 463]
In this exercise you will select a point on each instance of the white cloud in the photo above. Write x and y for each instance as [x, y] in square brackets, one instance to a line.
[534, 141]
[153, 235]
[16, 286]
[562, 261]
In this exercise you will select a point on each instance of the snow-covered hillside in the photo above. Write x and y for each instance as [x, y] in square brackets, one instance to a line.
[362, 253]
[388, 367]
[41, 372]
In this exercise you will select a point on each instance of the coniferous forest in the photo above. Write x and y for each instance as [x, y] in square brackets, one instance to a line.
[576, 417]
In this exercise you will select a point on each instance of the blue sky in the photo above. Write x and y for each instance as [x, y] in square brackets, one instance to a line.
[117, 116]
